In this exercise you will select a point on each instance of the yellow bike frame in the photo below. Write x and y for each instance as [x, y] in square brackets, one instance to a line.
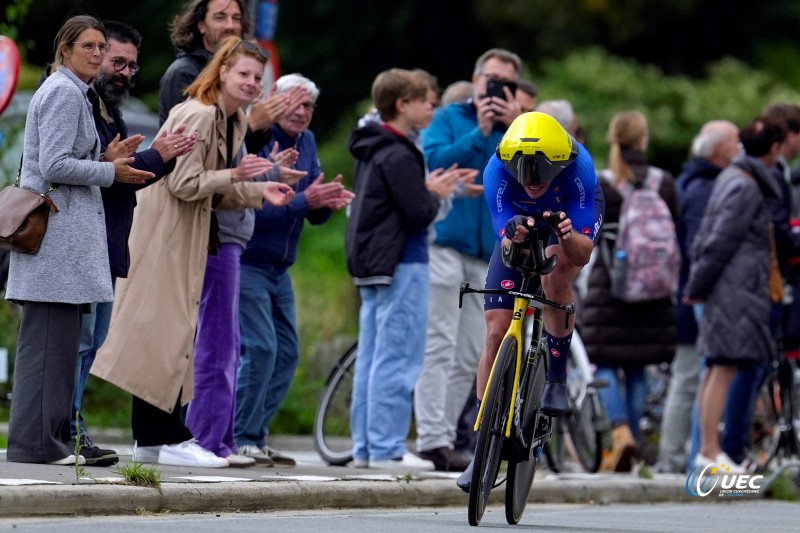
[514, 331]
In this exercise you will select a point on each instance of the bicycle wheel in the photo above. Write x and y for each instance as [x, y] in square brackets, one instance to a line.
[586, 439]
[492, 431]
[331, 431]
[520, 474]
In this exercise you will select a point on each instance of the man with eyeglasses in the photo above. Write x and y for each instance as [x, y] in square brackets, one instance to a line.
[109, 90]
[466, 134]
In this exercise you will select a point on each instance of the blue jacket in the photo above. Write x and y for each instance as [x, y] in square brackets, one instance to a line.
[454, 137]
[694, 186]
[277, 229]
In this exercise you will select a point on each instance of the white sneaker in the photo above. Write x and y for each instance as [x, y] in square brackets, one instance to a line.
[409, 461]
[145, 454]
[260, 456]
[359, 463]
[189, 453]
[69, 461]
[240, 461]
[702, 460]
[727, 465]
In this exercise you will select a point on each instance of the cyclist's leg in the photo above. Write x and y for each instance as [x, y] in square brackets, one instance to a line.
[558, 287]
[497, 313]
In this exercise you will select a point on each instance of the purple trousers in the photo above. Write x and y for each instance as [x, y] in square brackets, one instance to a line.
[216, 354]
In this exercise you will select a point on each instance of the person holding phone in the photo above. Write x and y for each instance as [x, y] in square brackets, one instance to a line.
[465, 134]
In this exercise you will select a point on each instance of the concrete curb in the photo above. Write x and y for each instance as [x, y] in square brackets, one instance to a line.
[118, 499]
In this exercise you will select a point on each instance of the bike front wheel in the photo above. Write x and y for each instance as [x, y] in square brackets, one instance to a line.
[331, 431]
[521, 474]
[492, 430]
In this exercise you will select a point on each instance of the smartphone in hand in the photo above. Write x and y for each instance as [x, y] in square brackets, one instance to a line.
[495, 88]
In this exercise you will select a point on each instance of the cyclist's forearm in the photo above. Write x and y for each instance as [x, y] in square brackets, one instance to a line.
[577, 248]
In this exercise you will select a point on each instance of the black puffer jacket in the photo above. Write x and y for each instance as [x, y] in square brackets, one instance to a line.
[391, 202]
[619, 333]
[731, 265]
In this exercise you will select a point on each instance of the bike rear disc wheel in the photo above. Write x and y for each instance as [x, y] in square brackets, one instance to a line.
[521, 474]
[492, 431]
[331, 431]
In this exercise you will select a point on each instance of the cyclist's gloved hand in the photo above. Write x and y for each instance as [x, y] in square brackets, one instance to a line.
[553, 219]
[517, 220]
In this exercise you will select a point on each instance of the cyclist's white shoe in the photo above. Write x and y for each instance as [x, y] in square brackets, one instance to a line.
[727, 465]
[465, 479]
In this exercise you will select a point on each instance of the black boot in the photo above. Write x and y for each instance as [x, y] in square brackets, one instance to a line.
[465, 479]
[554, 399]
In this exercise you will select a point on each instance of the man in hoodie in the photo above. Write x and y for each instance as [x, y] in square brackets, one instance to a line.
[387, 255]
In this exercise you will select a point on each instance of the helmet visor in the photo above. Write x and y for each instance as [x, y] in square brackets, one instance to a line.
[533, 170]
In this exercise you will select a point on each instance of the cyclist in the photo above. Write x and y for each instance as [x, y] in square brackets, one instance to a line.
[538, 170]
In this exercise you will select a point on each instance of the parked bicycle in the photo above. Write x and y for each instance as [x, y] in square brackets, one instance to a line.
[510, 425]
[579, 434]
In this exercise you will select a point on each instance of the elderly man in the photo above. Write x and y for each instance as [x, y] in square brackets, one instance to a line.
[110, 90]
[270, 350]
[712, 149]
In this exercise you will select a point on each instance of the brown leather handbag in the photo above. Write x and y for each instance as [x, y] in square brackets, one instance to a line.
[23, 217]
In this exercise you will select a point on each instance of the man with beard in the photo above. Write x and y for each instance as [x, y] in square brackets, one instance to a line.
[107, 93]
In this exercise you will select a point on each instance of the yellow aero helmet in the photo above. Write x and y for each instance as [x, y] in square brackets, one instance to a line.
[536, 148]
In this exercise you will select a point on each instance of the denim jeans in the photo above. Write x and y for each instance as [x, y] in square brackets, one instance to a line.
[391, 348]
[630, 408]
[94, 329]
[270, 350]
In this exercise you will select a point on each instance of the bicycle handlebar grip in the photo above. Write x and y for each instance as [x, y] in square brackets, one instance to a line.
[464, 288]
[543, 264]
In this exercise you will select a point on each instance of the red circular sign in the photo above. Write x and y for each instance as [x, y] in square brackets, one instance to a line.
[9, 71]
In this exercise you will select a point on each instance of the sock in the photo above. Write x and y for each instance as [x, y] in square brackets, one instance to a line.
[559, 351]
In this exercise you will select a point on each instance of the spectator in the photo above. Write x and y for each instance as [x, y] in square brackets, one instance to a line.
[618, 335]
[731, 272]
[196, 32]
[150, 344]
[270, 349]
[110, 90]
[61, 154]
[526, 94]
[386, 243]
[457, 93]
[465, 134]
[741, 401]
[562, 111]
[712, 149]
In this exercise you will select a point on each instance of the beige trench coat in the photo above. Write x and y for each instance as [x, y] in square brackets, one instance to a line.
[149, 351]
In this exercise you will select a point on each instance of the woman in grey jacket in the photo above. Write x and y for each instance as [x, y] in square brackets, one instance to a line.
[71, 269]
[730, 273]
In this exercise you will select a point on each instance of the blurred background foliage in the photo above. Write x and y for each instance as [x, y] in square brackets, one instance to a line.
[681, 63]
